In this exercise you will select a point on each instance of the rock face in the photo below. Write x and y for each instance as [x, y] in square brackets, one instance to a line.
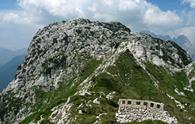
[73, 65]
[181, 40]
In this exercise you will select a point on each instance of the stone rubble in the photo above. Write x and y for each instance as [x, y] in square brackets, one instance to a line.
[95, 101]
[139, 113]
[60, 114]
[130, 114]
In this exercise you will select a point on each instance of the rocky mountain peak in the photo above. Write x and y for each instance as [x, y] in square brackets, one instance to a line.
[66, 58]
[65, 45]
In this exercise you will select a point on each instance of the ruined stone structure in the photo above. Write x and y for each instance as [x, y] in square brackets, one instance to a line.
[140, 110]
[155, 106]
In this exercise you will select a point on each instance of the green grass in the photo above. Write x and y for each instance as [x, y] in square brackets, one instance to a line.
[45, 101]
[128, 80]
[89, 67]
[148, 122]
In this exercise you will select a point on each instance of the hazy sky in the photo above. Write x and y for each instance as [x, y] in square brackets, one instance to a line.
[20, 19]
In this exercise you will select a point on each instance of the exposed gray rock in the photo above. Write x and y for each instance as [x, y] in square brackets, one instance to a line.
[59, 51]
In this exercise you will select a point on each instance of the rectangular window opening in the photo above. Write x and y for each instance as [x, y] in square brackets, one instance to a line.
[129, 102]
[137, 103]
[158, 106]
[145, 103]
[151, 104]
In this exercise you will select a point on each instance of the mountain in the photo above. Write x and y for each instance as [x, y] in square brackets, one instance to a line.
[8, 71]
[182, 40]
[76, 71]
[163, 37]
[9, 61]
[6, 55]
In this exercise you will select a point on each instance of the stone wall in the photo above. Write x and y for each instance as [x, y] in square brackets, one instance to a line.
[141, 103]
[140, 110]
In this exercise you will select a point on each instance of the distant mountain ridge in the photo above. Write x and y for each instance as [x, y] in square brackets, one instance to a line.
[8, 71]
[9, 61]
[182, 40]
[6, 55]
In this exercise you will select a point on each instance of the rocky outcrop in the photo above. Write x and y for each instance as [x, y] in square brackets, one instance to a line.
[59, 54]
[190, 72]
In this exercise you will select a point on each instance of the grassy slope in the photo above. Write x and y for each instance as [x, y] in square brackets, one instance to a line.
[45, 101]
[128, 80]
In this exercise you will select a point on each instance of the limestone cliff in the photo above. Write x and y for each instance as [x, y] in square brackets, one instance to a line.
[76, 71]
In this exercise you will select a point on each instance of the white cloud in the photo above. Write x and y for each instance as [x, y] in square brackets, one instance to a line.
[137, 14]
[60, 8]
[191, 2]
[155, 17]
[131, 12]
[190, 16]
[13, 17]
[130, 5]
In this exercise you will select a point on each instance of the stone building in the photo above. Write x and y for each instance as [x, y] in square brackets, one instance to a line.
[140, 110]
[141, 103]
